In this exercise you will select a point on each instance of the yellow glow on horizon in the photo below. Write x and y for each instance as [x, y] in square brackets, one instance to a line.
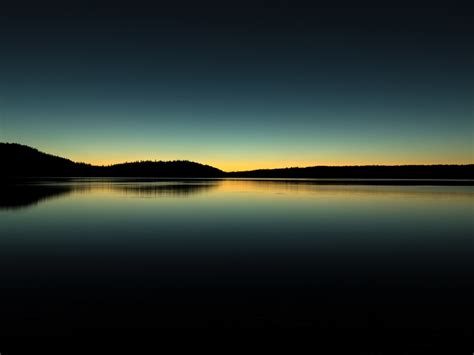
[244, 157]
[229, 166]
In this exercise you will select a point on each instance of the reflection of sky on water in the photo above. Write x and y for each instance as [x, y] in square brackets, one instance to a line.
[257, 212]
[185, 246]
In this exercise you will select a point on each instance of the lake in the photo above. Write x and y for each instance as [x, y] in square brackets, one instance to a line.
[91, 254]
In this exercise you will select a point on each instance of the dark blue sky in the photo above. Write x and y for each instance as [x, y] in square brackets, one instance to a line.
[239, 84]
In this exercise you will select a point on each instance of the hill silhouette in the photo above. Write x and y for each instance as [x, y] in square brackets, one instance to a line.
[179, 168]
[426, 172]
[20, 161]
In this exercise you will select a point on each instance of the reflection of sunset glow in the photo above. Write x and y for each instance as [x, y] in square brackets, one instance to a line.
[242, 189]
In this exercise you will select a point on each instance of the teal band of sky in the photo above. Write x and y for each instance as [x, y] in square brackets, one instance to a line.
[253, 87]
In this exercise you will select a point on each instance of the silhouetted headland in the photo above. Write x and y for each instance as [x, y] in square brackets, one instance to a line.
[426, 172]
[20, 161]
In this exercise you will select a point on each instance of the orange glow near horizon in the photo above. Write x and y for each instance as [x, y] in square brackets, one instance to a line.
[229, 166]
[250, 154]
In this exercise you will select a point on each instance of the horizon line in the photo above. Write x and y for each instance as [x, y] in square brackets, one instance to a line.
[247, 170]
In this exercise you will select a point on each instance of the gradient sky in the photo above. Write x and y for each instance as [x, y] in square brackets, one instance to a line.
[239, 84]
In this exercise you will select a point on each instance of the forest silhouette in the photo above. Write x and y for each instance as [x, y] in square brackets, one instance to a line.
[20, 161]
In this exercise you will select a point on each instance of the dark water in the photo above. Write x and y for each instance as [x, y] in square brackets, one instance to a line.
[360, 259]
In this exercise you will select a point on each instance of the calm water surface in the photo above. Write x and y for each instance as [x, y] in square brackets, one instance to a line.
[91, 254]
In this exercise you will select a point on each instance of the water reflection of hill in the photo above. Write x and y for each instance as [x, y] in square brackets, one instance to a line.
[21, 196]
[361, 188]
[30, 193]
[176, 189]
[368, 182]
[15, 196]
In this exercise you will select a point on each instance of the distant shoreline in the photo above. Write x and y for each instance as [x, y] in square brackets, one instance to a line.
[310, 181]
[19, 162]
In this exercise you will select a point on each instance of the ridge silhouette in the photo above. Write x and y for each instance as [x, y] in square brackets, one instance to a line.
[21, 161]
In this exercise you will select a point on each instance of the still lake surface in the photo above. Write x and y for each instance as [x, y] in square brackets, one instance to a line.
[101, 253]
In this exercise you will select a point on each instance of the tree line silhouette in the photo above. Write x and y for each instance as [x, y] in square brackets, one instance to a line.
[365, 172]
[23, 161]
[19, 161]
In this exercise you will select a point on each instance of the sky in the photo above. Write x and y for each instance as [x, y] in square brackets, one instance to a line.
[239, 84]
